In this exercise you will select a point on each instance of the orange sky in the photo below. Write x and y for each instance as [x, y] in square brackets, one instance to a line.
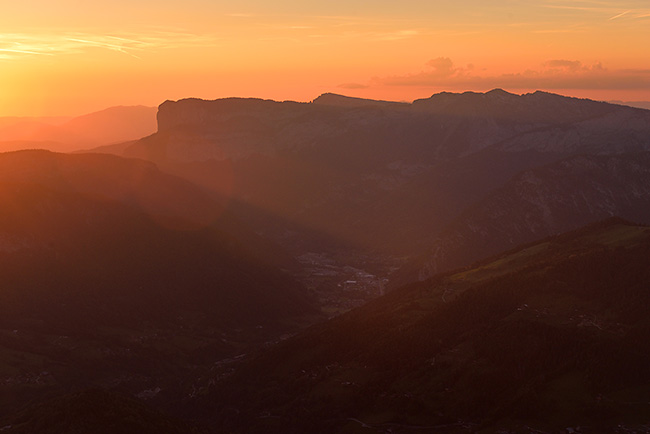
[70, 57]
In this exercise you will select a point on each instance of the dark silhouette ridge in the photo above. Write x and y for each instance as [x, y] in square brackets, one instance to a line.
[118, 275]
[348, 101]
[543, 337]
[170, 241]
[100, 412]
[637, 104]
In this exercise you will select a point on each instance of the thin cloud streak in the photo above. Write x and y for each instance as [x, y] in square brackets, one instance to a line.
[552, 31]
[578, 8]
[553, 74]
[619, 15]
[353, 86]
[9, 50]
[608, 8]
[114, 47]
[15, 45]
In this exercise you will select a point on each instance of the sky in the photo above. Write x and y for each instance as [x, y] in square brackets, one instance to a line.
[70, 57]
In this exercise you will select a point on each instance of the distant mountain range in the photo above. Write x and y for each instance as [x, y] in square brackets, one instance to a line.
[449, 125]
[65, 134]
[395, 180]
[637, 104]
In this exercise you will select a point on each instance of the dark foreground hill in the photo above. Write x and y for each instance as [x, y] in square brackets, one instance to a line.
[105, 231]
[96, 411]
[117, 275]
[550, 337]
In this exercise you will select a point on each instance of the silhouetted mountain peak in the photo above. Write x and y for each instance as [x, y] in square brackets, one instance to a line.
[499, 91]
[469, 103]
[193, 112]
[470, 97]
[500, 94]
[334, 99]
[541, 96]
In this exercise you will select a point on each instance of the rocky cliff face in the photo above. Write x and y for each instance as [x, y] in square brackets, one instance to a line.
[446, 125]
[540, 202]
[196, 130]
[210, 114]
[391, 177]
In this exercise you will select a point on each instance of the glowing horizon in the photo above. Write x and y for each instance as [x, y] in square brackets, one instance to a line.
[70, 59]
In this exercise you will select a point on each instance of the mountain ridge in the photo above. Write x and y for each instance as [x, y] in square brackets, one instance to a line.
[111, 125]
[536, 203]
[118, 276]
[381, 180]
[526, 341]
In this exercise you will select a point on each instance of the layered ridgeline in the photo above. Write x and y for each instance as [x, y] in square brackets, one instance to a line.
[550, 337]
[537, 202]
[394, 179]
[99, 229]
[65, 134]
[115, 274]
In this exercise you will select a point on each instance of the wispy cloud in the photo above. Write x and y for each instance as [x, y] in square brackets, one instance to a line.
[19, 51]
[398, 35]
[353, 86]
[619, 15]
[126, 48]
[569, 65]
[608, 9]
[577, 8]
[552, 74]
[552, 31]
[16, 45]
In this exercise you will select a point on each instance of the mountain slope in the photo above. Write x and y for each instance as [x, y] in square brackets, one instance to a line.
[443, 126]
[543, 201]
[122, 225]
[383, 180]
[95, 411]
[120, 277]
[548, 336]
[112, 125]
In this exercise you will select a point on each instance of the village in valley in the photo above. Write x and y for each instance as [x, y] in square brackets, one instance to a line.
[340, 288]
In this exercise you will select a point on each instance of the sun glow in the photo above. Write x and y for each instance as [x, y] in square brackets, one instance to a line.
[72, 59]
